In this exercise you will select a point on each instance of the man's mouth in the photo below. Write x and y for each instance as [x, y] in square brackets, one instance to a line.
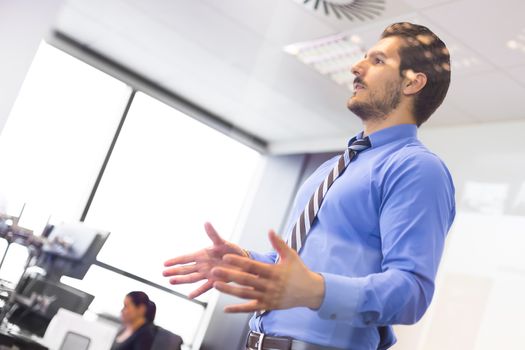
[358, 86]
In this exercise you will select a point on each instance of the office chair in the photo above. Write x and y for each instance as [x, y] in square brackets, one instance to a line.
[166, 340]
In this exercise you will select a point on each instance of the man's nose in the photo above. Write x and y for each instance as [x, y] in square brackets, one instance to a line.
[358, 69]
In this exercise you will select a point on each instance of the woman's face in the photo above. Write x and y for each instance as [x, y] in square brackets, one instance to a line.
[131, 312]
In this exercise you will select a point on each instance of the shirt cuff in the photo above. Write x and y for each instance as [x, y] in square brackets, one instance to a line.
[265, 258]
[342, 296]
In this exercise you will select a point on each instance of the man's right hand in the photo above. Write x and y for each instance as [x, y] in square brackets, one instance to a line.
[196, 266]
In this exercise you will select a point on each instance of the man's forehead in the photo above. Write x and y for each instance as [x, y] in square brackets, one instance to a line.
[387, 46]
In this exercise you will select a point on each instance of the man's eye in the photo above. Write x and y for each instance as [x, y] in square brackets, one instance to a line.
[378, 61]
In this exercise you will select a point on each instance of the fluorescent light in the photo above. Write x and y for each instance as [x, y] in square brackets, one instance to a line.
[332, 56]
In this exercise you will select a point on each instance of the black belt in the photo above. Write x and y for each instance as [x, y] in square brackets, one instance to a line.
[260, 341]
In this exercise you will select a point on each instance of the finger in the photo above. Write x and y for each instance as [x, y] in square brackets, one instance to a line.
[212, 233]
[237, 291]
[251, 306]
[248, 265]
[183, 259]
[180, 270]
[239, 277]
[279, 245]
[202, 289]
[194, 277]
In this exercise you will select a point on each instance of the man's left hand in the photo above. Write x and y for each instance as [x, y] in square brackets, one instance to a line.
[284, 285]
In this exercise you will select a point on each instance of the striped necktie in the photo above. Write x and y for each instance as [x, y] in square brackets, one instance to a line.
[304, 222]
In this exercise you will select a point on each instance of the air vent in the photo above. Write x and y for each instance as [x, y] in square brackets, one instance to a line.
[356, 10]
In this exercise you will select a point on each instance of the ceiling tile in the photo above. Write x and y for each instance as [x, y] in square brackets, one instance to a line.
[75, 23]
[518, 73]
[464, 61]
[228, 57]
[449, 114]
[489, 97]
[486, 27]
[272, 20]
[421, 4]
[227, 39]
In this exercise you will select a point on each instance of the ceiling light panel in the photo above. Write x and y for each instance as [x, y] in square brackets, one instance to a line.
[518, 42]
[332, 56]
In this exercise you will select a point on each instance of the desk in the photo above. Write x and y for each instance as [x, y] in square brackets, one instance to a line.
[14, 341]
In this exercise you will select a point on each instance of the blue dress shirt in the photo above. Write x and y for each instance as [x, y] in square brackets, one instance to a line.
[377, 241]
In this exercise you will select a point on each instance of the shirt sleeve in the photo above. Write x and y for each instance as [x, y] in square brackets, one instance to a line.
[416, 211]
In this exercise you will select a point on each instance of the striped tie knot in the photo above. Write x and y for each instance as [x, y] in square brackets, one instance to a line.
[309, 214]
[359, 144]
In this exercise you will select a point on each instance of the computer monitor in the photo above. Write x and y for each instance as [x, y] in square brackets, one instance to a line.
[39, 299]
[70, 250]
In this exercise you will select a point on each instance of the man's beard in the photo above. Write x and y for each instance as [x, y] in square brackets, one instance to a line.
[378, 105]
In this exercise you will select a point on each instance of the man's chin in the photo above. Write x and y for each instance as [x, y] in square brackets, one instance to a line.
[351, 101]
[353, 105]
[362, 110]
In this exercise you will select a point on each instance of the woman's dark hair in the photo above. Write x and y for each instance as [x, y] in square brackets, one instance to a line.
[141, 298]
[423, 52]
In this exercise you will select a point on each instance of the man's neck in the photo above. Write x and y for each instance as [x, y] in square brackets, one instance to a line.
[395, 118]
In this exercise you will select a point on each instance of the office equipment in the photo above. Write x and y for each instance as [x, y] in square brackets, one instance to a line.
[9, 340]
[38, 300]
[65, 323]
[70, 249]
[75, 341]
[67, 249]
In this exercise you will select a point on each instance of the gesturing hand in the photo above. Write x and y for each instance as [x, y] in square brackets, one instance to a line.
[287, 284]
[197, 266]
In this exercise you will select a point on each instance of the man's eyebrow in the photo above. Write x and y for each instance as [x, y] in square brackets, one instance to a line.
[375, 53]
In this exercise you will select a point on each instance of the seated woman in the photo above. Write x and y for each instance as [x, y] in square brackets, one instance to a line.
[137, 317]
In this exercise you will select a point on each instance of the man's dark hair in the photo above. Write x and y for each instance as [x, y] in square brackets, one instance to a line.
[140, 298]
[423, 52]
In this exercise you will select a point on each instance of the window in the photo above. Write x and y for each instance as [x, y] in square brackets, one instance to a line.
[57, 136]
[168, 174]
[14, 257]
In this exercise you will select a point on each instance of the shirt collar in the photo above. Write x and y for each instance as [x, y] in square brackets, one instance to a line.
[387, 135]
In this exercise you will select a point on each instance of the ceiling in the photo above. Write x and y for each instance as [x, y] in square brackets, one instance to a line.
[227, 56]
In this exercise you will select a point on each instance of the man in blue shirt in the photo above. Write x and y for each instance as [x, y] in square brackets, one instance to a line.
[372, 251]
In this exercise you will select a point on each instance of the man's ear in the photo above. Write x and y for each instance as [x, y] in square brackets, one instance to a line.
[414, 82]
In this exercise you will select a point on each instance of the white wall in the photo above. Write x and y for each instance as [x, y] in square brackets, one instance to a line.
[23, 24]
[265, 208]
[488, 153]
[478, 304]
